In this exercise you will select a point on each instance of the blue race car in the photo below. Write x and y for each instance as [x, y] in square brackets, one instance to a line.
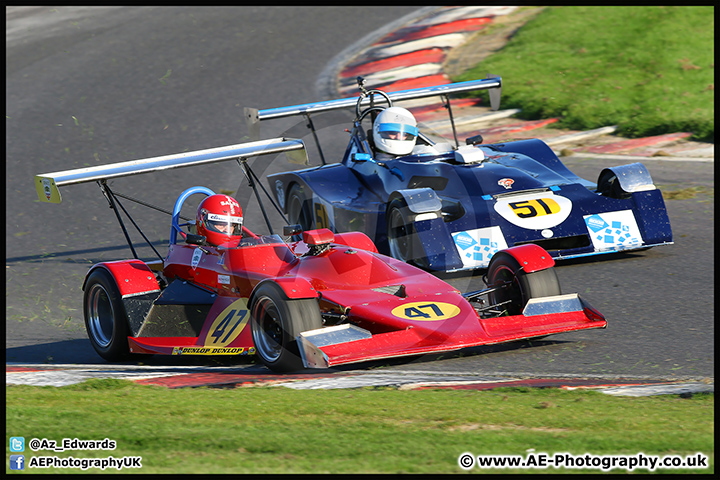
[447, 207]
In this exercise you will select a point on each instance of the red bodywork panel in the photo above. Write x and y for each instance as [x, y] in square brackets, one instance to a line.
[531, 257]
[226, 331]
[356, 240]
[417, 341]
[445, 323]
[133, 277]
[407, 310]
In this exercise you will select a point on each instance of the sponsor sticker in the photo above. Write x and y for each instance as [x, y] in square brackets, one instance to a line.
[595, 223]
[197, 254]
[280, 192]
[613, 230]
[46, 188]
[464, 240]
[534, 211]
[506, 182]
[426, 311]
[224, 218]
[475, 247]
[227, 325]
[224, 279]
[213, 351]
[232, 203]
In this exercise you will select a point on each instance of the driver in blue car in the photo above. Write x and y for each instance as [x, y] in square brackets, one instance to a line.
[220, 220]
[394, 133]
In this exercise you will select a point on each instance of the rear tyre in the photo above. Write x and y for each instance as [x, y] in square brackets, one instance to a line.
[105, 318]
[276, 322]
[520, 286]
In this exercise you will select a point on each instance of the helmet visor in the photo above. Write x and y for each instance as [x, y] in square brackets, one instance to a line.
[225, 224]
[397, 131]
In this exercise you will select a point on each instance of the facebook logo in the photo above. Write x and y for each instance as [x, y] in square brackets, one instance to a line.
[17, 444]
[17, 462]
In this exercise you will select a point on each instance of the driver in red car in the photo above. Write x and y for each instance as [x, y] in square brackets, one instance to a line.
[220, 220]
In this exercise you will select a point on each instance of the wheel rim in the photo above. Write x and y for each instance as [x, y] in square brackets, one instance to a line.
[269, 334]
[511, 292]
[398, 237]
[101, 316]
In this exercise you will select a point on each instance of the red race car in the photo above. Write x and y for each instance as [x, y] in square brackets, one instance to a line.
[314, 300]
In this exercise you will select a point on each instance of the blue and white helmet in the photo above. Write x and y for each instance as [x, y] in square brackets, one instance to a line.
[395, 131]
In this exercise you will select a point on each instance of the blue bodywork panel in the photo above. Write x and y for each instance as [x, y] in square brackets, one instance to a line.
[519, 193]
[444, 208]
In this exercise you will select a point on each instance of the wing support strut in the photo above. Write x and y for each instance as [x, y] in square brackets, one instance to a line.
[114, 203]
[253, 182]
[311, 126]
[452, 119]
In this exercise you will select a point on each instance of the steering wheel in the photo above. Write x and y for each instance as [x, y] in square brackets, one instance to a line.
[369, 110]
[370, 93]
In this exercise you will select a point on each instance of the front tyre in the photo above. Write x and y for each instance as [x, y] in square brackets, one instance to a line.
[105, 318]
[519, 286]
[276, 322]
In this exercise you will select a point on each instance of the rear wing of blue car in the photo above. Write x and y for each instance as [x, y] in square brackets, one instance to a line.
[365, 103]
[47, 184]
[493, 84]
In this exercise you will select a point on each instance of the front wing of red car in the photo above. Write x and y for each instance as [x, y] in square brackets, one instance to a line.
[344, 344]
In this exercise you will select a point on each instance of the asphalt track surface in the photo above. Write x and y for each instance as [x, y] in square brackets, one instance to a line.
[95, 86]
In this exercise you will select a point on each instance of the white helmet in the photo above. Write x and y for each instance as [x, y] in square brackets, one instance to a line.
[395, 131]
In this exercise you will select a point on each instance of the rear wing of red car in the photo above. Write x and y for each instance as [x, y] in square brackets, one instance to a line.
[47, 184]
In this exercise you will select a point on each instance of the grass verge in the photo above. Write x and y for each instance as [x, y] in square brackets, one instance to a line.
[649, 70]
[280, 430]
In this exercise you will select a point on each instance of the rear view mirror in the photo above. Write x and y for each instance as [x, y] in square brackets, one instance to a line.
[474, 140]
[361, 157]
[290, 230]
[195, 239]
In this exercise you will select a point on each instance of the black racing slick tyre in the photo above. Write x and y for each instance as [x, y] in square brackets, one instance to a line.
[299, 208]
[276, 322]
[519, 286]
[402, 239]
[105, 318]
